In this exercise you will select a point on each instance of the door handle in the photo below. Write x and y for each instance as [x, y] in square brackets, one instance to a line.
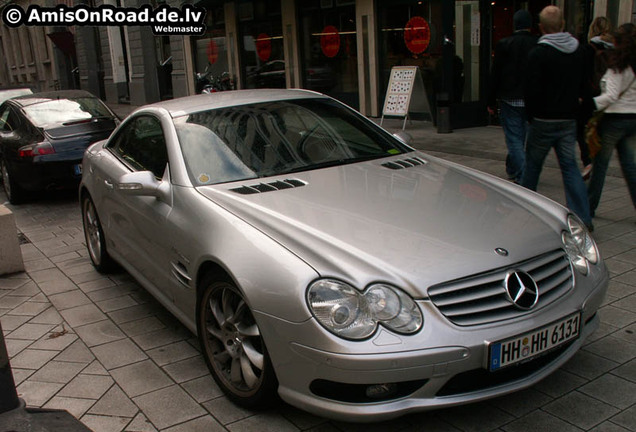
[109, 185]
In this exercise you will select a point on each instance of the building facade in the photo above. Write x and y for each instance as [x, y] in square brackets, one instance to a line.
[344, 48]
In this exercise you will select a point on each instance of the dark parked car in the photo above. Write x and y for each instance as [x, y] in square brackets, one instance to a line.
[43, 137]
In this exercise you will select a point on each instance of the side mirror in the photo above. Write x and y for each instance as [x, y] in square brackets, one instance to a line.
[141, 183]
[403, 137]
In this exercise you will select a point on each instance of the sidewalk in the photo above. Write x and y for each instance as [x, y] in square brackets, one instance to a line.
[105, 350]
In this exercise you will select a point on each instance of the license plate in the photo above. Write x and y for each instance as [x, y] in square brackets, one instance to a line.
[77, 169]
[528, 345]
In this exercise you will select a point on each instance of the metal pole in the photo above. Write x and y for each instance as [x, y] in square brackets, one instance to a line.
[8, 394]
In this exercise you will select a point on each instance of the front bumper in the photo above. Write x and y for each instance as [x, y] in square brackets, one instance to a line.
[442, 375]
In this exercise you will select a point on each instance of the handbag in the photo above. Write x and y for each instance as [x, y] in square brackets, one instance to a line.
[592, 137]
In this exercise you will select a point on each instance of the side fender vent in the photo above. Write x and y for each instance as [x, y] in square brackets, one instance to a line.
[404, 163]
[269, 187]
[180, 273]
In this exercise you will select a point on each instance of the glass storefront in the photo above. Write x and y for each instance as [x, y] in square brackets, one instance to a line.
[261, 41]
[210, 49]
[466, 62]
[410, 34]
[328, 47]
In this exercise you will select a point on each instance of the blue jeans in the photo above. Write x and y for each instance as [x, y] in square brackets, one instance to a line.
[515, 127]
[560, 135]
[616, 131]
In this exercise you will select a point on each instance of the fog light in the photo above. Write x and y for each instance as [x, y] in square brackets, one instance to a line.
[381, 391]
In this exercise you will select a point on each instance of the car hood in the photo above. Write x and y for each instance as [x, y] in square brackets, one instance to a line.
[415, 226]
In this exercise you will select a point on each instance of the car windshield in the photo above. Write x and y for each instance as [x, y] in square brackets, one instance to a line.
[273, 138]
[63, 112]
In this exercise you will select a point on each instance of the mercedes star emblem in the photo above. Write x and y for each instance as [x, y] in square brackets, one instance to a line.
[522, 290]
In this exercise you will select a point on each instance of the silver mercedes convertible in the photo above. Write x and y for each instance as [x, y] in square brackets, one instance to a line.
[320, 258]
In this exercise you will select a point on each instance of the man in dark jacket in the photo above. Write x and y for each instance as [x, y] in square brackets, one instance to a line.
[555, 85]
[507, 81]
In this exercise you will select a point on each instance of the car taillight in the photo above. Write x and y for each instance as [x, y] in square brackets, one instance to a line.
[31, 150]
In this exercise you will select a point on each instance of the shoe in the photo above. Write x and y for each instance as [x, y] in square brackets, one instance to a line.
[590, 228]
[587, 170]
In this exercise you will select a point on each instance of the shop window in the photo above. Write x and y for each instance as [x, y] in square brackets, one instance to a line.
[410, 34]
[261, 39]
[329, 49]
[466, 63]
[613, 7]
[576, 13]
[210, 49]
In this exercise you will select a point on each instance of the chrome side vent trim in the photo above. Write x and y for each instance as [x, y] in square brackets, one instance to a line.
[180, 273]
[404, 163]
[482, 298]
[269, 187]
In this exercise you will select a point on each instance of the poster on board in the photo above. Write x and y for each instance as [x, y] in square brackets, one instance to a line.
[405, 93]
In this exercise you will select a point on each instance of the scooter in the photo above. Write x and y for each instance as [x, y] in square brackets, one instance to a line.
[207, 83]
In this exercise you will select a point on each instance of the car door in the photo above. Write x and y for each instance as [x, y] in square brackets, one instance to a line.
[137, 225]
[11, 131]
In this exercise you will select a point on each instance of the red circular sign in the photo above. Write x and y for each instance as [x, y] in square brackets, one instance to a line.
[417, 35]
[264, 46]
[330, 41]
[212, 51]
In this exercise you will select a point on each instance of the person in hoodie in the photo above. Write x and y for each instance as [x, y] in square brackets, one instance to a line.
[555, 83]
[596, 54]
[507, 81]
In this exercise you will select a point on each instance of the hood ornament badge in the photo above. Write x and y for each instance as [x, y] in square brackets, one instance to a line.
[501, 251]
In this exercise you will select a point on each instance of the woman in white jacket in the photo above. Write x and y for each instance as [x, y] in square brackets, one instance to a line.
[618, 127]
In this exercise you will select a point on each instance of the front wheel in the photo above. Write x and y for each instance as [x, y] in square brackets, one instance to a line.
[233, 347]
[94, 236]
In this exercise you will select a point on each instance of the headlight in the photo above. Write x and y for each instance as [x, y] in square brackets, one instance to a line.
[349, 313]
[579, 245]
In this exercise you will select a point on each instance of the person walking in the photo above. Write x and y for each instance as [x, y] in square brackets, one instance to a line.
[595, 51]
[507, 81]
[618, 126]
[555, 82]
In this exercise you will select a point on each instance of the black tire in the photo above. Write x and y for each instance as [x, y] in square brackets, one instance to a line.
[15, 194]
[94, 236]
[233, 347]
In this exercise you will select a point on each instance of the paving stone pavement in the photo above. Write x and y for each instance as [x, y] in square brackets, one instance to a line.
[102, 348]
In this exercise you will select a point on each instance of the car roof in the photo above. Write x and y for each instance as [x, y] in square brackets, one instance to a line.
[35, 98]
[191, 104]
[7, 93]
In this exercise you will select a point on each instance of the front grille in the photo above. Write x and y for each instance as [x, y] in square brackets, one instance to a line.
[482, 298]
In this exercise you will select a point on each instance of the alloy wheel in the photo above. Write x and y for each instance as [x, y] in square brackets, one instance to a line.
[233, 345]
